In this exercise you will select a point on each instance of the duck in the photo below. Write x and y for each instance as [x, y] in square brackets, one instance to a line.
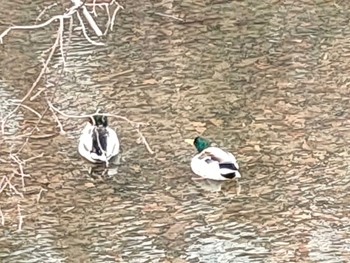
[212, 162]
[98, 142]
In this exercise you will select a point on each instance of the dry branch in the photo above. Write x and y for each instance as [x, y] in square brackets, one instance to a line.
[74, 9]
[20, 163]
[39, 195]
[72, 13]
[44, 11]
[2, 217]
[20, 218]
[10, 185]
[170, 16]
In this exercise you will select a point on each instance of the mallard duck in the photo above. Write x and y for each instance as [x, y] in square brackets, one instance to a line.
[98, 142]
[212, 162]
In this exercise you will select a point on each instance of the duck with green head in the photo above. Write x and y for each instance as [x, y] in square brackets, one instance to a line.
[212, 162]
[98, 142]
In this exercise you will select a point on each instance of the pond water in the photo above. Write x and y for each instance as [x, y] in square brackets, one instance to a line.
[267, 80]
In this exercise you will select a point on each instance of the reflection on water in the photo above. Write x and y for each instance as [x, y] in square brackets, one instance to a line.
[231, 242]
[267, 80]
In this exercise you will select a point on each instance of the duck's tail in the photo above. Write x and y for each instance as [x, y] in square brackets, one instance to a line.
[99, 158]
[229, 170]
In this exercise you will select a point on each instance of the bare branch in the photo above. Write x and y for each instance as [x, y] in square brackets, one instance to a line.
[2, 217]
[144, 141]
[30, 109]
[43, 12]
[20, 165]
[39, 195]
[3, 34]
[33, 158]
[36, 94]
[1, 182]
[94, 8]
[91, 21]
[114, 14]
[4, 120]
[62, 131]
[13, 188]
[20, 218]
[85, 34]
[60, 33]
[108, 21]
[77, 4]
[170, 16]
[78, 7]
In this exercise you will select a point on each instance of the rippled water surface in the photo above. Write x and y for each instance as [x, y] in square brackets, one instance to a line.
[267, 80]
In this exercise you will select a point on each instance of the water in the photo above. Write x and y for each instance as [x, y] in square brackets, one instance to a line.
[267, 81]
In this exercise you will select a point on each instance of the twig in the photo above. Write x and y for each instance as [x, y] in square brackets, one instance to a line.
[69, 35]
[59, 40]
[170, 16]
[4, 120]
[33, 158]
[94, 8]
[45, 59]
[30, 135]
[44, 10]
[85, 34]
[20, 218]
[29, 108]
[1, 182]
[36, 94]
[3, 187]
[2, 217]
[3, 34]
[336, 5]
[20, 164]
[123, 72]
[12, 187]
[60, 33]
[108, 21]
[39, 195]
[114, 15]
[91, 21]
[144, 141]
[62, 131]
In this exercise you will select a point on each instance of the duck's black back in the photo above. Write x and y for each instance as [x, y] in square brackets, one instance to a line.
[100, 133]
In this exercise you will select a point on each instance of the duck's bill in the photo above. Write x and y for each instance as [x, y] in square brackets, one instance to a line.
[189, 141]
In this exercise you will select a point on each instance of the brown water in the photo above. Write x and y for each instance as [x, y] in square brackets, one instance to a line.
[267, 80]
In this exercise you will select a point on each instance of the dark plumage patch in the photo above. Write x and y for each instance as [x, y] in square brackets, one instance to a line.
[229, 176]
[99, 138]
[228, 166]
[99, 120]
[208, 160]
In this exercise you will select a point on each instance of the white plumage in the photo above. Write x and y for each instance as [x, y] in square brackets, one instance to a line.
[98, 143]
[213, 162]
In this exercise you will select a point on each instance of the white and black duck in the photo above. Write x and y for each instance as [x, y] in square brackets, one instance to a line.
[212, 162]
[98, 142]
